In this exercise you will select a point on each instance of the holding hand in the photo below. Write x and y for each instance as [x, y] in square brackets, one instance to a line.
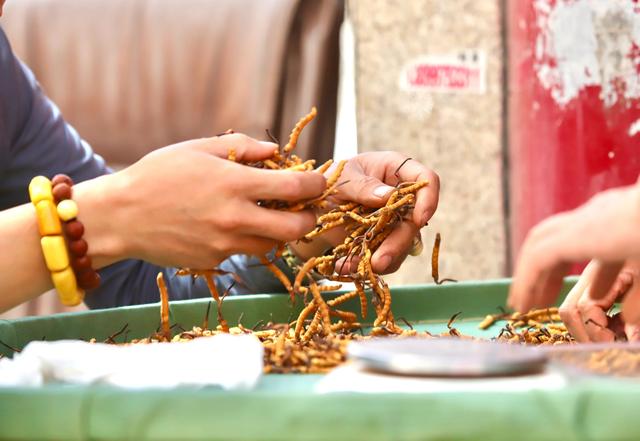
[369, 179]
[586, 318]
[186, 205]
[605, 229]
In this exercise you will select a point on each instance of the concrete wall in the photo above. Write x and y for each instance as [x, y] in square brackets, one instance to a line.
[457, 133]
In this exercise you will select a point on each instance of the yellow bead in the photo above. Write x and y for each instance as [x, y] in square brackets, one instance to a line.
[65, 283]
[55, 252]
[67, 210]
[40, 189]
[48, 220]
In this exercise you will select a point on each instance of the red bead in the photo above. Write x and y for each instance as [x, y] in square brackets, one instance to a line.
[81, 263]
[73, 229]
[61, 179]
[88, 279]
[61, 192]
[78, 247]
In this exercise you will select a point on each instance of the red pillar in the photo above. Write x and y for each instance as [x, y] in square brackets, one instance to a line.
[574, 105]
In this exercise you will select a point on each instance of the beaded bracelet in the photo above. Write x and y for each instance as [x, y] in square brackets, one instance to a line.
[44, 195]
[52, 242]
[86, 276]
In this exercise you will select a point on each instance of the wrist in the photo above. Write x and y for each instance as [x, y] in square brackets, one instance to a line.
[100, 206]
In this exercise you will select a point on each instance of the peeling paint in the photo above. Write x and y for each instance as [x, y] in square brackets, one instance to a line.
[583, 43]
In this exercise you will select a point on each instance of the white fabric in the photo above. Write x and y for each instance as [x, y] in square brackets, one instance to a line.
[353, 378]
[228, 361]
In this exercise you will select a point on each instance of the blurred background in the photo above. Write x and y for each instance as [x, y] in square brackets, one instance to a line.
[523, 107]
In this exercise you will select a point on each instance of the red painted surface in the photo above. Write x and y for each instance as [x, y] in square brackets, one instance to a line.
[559, 156]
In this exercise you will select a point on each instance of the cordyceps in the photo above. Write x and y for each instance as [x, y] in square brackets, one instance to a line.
[316, 340]
[366, 228]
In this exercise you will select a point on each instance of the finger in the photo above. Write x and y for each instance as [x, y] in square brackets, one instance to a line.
[632, 332]
[569, 312]
[540, 257]
[604, 276]
[275, 224]
[631, 305]
[403, 169]
[595, 320]
[247, 149]
[625, 281]
[536, 282]
[394, 249]
[594, 311]
[253, 245]
[356, 186]
[347, 265]
[427, 198]
[283, 185]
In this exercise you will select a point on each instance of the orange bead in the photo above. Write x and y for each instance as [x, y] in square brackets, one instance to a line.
[55, 252]
[40, 189]
[65, 283]
[48, 220]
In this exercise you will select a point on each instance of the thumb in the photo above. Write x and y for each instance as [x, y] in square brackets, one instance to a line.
[245, 148]
[363, 189]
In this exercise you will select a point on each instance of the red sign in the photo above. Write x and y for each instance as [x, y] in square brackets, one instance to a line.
[445, 74]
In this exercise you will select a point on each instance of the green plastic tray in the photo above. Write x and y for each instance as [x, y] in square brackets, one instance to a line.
[284, 407]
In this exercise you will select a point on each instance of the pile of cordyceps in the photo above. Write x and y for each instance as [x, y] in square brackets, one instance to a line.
[316, 341]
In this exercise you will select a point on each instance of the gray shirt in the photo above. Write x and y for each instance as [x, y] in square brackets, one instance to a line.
[36, 140]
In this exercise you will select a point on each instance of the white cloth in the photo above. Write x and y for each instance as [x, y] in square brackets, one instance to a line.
[227, 361]
[353, 378]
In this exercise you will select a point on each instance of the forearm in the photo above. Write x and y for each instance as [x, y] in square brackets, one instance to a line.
[23, 273]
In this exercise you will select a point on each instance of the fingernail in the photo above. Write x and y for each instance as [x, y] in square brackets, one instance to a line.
[272, 145]
[382, 190]
[384, 262]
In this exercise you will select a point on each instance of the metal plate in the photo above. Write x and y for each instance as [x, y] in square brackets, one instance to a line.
[446, 357]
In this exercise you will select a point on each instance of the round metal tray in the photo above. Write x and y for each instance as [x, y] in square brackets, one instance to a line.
[448, 357]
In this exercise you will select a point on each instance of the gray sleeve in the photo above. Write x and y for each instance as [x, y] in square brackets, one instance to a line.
[36, 140]
[134, 282]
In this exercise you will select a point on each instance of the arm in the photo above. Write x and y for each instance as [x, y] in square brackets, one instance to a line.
[180, 206]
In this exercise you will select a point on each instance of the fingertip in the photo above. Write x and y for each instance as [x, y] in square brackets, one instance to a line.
[382, 191]
[269, 145]
[513, 303]
[380, 264]
[426, 207]
[307, 221]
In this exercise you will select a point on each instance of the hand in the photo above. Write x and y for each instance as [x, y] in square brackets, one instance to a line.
[586, 318]
[186, 205]
[605, 229]
[369, 179]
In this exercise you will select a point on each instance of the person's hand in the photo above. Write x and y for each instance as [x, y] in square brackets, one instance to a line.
[186, 205]
[586, 318]
[604, 229]
[369, 179]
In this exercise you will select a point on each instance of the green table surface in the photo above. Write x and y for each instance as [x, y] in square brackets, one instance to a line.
[285, 407]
